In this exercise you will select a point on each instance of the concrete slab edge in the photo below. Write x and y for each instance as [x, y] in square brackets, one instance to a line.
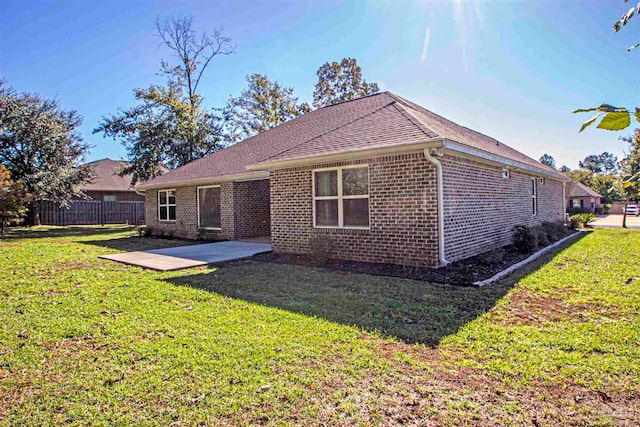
[524, 262]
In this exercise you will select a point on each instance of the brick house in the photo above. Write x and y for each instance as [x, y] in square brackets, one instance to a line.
[380, 178]
[583, 197]
[106, 183]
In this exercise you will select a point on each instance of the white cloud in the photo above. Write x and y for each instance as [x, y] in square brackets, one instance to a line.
[425, 45]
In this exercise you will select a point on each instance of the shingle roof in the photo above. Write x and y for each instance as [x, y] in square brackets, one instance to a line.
[106, 178]
[580, 190]
[376, 121]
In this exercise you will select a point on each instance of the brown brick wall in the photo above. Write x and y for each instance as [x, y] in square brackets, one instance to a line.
[252, 208]
[235, 223]
[403, 213]
[481, 207]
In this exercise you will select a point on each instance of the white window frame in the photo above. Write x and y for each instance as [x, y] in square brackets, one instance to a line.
[198, 203]
[506, 173]
[534, 196]
[340, 197]
[167, 205]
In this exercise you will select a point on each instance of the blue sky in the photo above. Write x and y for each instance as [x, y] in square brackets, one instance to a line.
[511, 69]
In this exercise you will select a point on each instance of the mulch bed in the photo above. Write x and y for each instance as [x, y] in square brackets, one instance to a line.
[463, 272]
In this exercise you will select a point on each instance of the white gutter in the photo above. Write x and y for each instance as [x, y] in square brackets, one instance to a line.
[139, 192]
[249, 176]
[440, 197]
[461, 150]
[564, 201]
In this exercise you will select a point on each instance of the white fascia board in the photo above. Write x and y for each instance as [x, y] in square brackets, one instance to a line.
[249, 176]
[461, 150]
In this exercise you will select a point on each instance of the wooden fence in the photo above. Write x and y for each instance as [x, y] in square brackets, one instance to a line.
[84, 212]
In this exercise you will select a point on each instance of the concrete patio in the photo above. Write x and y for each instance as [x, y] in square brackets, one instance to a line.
[191, 256]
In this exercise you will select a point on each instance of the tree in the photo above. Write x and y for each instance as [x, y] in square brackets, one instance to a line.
[600, 163]
[614, 118]
[13, 199]
[261, 106]
[41, 147]
[565, 169]
[338, 82]
[548, 160]
[170, 126]
[598, 172]
[629, 182]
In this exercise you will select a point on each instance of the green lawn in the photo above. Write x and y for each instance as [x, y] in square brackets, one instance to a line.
[88, 341]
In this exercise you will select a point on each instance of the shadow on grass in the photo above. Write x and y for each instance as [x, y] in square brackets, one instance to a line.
[44, 231]
[412, 311]
[134, 242]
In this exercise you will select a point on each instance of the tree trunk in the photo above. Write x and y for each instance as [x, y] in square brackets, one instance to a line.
[624, 214]
[33, 218]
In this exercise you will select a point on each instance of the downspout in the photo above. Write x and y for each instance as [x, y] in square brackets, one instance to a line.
[564, 202]
[140, 192]
[440, 199]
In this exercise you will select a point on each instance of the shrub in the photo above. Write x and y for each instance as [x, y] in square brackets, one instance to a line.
[574, 211]
[555, 229]
[143, 231]
[542, 239]
[321, 248]
[493, 256]
[524, 239]
[581, 220]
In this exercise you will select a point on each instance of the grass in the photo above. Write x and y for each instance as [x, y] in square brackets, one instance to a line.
[85, 341]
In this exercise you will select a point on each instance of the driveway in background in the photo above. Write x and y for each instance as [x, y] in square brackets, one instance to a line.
[615, 221]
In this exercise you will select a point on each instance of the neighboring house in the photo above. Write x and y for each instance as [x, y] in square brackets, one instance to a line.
[107, 185]
[378, 179]
[583, 197]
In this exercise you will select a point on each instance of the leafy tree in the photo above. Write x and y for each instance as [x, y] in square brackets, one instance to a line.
[548, 160]
[339, 82]
[599, 172]
[13, 199]
[170, 125]
[600, 163]
[614, 118]
[565, 169]
[41, 147]
[629, 181]
[261, 106]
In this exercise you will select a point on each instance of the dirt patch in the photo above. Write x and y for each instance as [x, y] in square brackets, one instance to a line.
[444, 395]
[463, 272]
[527, 308]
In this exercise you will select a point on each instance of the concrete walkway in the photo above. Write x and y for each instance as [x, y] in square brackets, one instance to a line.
[190, 256]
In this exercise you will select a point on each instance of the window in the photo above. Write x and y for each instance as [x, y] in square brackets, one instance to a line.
[108, 198]
[506, 174]
[167, 205]
[341, 197]
[575, 203]
[209, 207]
[534, 196]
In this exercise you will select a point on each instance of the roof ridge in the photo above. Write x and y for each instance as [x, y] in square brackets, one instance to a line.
[355, 99]
[418, 107]
[415, 106]
[329, 131]
[413, 119]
